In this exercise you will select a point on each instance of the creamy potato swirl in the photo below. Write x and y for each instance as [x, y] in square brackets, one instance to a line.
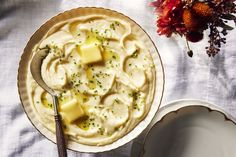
[115, 93]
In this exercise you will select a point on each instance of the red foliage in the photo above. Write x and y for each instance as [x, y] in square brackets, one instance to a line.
[170, 17]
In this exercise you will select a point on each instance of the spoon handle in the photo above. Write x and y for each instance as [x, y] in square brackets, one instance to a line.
[61, 144]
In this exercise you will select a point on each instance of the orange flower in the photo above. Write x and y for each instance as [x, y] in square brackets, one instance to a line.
[190, 20]
[202, 9]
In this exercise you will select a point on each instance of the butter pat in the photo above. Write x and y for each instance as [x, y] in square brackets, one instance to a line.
[90, 53]
[72, 110]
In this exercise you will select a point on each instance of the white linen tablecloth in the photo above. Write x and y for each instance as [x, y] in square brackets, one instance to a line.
[200, 77]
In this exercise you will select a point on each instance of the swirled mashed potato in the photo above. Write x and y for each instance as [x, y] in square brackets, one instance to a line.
[104, 76]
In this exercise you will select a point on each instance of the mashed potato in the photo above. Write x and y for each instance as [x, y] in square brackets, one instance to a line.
[103, 74]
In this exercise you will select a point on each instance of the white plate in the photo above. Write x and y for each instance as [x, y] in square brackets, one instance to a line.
[24, 64]
[189, 128]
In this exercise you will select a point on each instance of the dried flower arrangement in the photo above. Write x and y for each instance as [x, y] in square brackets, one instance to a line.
[190, 18]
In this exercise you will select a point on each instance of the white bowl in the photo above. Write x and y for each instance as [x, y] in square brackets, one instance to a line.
[24, 64]
[190, 128]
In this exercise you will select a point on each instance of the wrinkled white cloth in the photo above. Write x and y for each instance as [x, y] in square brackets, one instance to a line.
[200, 77]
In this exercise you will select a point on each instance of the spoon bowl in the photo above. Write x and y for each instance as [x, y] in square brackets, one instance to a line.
[35, 68]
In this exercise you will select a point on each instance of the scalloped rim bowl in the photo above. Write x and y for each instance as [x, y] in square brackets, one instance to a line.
[37, 36]
[190, 128]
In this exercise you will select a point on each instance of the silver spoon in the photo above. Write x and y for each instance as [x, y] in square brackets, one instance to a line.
[35, 68]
